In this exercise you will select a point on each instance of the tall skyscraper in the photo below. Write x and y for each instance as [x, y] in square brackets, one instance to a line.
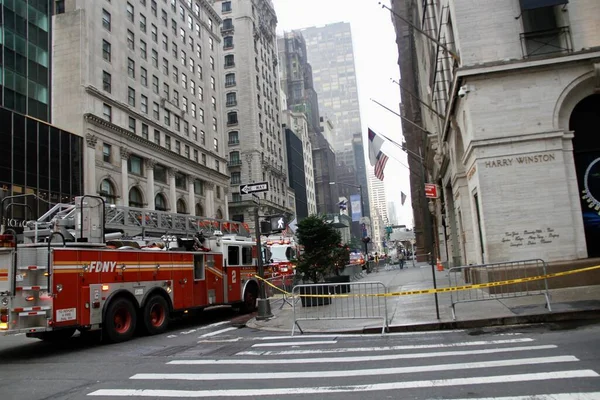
[331, 55]
[256, 143]
[142, 82]
[379, 209]
[25, 56]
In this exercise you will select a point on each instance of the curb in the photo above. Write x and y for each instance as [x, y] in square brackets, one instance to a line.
[578, 315]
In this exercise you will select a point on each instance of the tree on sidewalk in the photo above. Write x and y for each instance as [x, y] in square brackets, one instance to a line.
[323, 253]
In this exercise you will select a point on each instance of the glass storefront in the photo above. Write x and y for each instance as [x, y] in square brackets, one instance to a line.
[37, 159]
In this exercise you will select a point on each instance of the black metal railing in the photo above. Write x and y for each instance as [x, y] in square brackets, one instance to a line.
[550, 41]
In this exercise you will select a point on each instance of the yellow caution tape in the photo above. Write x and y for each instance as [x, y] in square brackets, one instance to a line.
[442, 290]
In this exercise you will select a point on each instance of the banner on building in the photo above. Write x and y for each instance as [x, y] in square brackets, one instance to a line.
[355, 204]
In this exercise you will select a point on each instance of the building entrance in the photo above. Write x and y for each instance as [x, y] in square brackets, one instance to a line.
[585, 122]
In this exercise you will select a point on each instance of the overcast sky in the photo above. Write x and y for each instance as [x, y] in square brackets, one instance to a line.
[376, 57]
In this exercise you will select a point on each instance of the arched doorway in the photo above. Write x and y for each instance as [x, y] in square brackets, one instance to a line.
[585, 123]
[219, 214]
[199, 210]
[135, 198]
[107, 192]
[160, 202]
[181, 208]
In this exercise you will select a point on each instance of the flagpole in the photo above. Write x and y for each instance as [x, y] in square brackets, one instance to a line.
[442, 117]
[403, 118]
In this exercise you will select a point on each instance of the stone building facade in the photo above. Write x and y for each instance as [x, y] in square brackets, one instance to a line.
[142, 82]
[513, 148]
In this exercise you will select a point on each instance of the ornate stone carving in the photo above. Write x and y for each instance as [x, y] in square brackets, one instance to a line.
[149, 163]
[209, 185]
[125, 153]
[171, 172]
[91, 140]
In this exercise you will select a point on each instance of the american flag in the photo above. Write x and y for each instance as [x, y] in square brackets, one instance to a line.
[380, 165]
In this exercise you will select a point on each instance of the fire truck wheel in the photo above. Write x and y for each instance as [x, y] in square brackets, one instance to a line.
[250, 296]
[120, 320]
[156, 315]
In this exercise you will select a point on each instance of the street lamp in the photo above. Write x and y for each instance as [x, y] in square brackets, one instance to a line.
[362, 206]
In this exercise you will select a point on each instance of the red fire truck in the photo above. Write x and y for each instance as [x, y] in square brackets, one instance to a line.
[64, 277]
[283, 254]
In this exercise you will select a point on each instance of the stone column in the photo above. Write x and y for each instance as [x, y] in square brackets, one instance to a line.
[209, 188]
[124, 200]
[191, 196]
[149, 163]
[172, 190]
[90, 186]
[226, 201]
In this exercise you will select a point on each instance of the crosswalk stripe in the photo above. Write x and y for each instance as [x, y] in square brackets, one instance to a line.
[218, 332]
[299, 343]
[358, 335]
[384, 348]
[347, 388]
[269, 361]
[553, 396]
[357, 372]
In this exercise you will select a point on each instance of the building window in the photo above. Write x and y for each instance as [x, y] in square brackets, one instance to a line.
[145, 131]
[129, 12]
[106, 19]
[135, 198]
[231, 99]
[543, 33]
[106, 152]
[177, 147]
[216, 145]
[182, 34]
[143, 23]
[134, 165]
[131, 68]
[185, 104]
[175, 74]
[165, 66]
[167, 117]
[154, 33]
[211, 44]
[195, 155]
[130, 40]
[198, 51]
[234, 158]
[155, 111]
[233, 138]
[214, 103]
[199, 71]
[199, 187]
[201, 115]
[175, 97]
[212, 83]
[194, 132]
[214, 124]
[160, 203]
[157, 137]
[165, 43]
[184, 80]
[107, 191]
[228, 42]
[106, 81]
[218, 192]
[232, 118]
[210, 25]
[181, 209]
[144, 76]
[167, 142]
[236, 178]
[212, 63]
[144, 104]
[163, 17]
[229, 80]
[155, 84]
[132, 124]
[180, 181]
[193, 110]
[200, 93]
[177, 121]
[202, 139]
[153, 7]
[160, 173]
[106, 50]
[217, 166]
[131, 97]
[143, 52]
[203, 159]
[107, 112]
[226, 6]
[174, 49]
[186, 128]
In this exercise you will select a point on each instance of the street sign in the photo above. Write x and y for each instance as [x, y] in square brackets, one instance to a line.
[255, 199]
[431, 191]
[254, 187]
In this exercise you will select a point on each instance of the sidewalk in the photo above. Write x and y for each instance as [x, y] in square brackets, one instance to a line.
[418, 312]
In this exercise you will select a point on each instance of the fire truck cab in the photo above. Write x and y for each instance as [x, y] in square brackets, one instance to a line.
[64, 277]
[283, 253]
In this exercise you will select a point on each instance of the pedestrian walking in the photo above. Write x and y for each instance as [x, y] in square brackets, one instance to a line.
[401, 259]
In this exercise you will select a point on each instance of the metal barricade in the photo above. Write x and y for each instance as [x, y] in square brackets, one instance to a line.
[340, 301]
[508, 272]
[279, 288]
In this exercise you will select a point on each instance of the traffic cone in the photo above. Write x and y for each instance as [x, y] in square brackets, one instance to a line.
[440, 267]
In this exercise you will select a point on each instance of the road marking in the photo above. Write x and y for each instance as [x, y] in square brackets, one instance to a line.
[221, 340]
[384, 348]
[480, 380]
[359, 358]
[171, 336]
[232, 328]
[355, 372]
[554, 396]
[355, 335]
[214, 325]
[304, 343]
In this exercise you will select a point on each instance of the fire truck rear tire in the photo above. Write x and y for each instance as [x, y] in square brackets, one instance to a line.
[250, 296]
[120, 321]
[156, 315]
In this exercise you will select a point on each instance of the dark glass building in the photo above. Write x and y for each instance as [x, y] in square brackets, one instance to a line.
[38, 159]
[297, 180]
[25, 44]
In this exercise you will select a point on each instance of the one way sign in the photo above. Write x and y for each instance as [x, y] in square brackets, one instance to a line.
[254, 187]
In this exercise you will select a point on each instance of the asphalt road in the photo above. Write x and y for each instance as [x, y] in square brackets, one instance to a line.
[213, 357]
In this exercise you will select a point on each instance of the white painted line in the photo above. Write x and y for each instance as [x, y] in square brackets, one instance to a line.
[214, 325]
[171, 336]
[188, 332]
[220, 340]
[232, 328]
[359, 358]
[305, 343]
[355, 372]
[384, 348]
[484, 380]
[356, 335]
[553, 396]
